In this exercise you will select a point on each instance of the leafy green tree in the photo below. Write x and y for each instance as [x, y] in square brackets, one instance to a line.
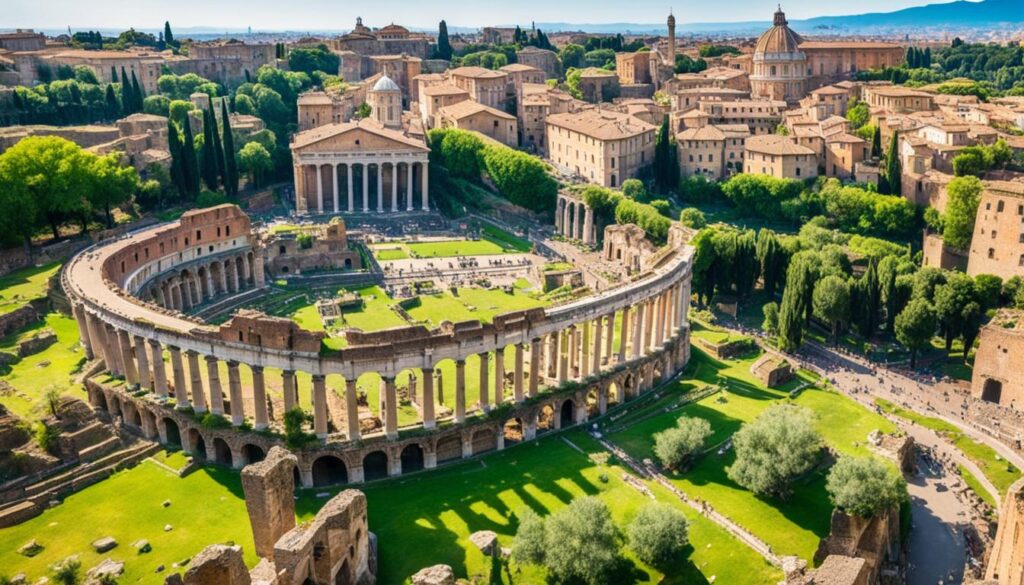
[312, 59]
[295, 421]
[774, 449]
[915, 326]
[658, 534]
[866, 301]
[876, 143]
[858, 113]
[529, 543]
[988, 289]
[676, 446]
[951, 300]
[67, 571]
[521, 178]
[963, 197]
[969, 163]
[832, 303]
[693, 218]
[772, 260]
[797, 299]
[157, 105]
[865, 486]
[255, 160]
[770, 325]
[208, 156]
[112, 185]
[459, 153]
[582, 543]
[571, 56]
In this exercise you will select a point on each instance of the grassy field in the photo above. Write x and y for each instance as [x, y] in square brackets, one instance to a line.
[975, 484]
[791, 527]
[22, 286]
[471, 303]
[54, 366]
[998, 471]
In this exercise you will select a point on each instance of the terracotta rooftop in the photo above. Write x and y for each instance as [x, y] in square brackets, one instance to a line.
[777, 145]
[846, 45]
[830, 90]
[896, 91]
[517, 68]
[443, 89]
[314, 135]
[601, 124]
[476, 73]
[469, 108]
[846, 138]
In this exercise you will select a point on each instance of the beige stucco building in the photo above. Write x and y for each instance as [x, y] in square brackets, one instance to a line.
[484, 85]
[537, 102]
[897, 99]
[780, 157]
[602, 146]
[997, 246]
[543, 59]
[715, 152]
[469, 115]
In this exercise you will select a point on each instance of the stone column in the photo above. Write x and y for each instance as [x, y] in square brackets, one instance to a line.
[559, 210]
[595, 366]
[536, 351]
[351, 192]
[83, 330]
[319, 190]
[235, 391]
[145, 378]
[428, 398]
[131, 375]
[394, 186]
[623, 333]
[517, 377]
[661, 316]
[320, 406]
[223, 279]
[553, 348]
[300, 190]
[648, 322]
[351, 409]
[499, 376]
[288, 387]
[198, 395]
[424, 168]
[216, 393]
[380, 187]
[587, 341]
[563, 356]
[410, 187]
[210, 288]
[111, 350]
[259, 398]
[180, 393]
[96, 336]
[366, 187]
[460, 391]
[637, 346]
[159, 370]
[334, 184]
[609, 337]
[588, 226]
[485, 374]
[391, 407]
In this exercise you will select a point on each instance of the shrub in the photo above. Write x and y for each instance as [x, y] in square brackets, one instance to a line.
[773, 449]
[304, 240]
[675, 446]
[528, 544]
[692, 217]
[46, 437]
[655, 224]
[68, 571]
[864, 486]
[658, 534]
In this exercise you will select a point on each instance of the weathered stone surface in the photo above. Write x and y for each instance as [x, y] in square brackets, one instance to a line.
[142, 545]
[485, 540]
[269, 498]
[166, 503]
[436, 575]
[37, 343]
[218, 564]
[106, 568]
[168, 528]
[104, 544]
[30, 548]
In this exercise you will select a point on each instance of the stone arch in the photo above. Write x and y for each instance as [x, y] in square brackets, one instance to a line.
[992, 391]
[409, 387]
[449, 448]
[204, 282]
[630, 385]
[614, 393]
[197, 445]
[412, 458]
[375, 465]
[566, 414]
[546, 418]
[97, 400]
[115, 407]
[250, 261]
[329, 470]
[216, 271]
[172, 433]
[222, 453]
[513, 431]
[593, 403]
[484, 440]
[252, 453]
[230, 276]
[240, 273]
[132, 416]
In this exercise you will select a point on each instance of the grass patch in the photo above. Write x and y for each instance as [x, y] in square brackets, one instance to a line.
[506, 240]
[54, 366]
[972, 482]
[470, 303]
[22, 286]
[451, 248]
[997, 470]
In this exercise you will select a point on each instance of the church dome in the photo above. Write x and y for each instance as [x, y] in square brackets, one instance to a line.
[779, 38]
[385, 83]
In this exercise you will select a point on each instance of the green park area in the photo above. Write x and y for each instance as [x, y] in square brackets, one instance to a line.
[22, 286]
[55, 366]
[493, 241]
[793, 526]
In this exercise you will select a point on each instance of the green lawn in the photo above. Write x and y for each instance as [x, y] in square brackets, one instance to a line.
[390, 254]
[998, 471]
[450, 248]
[471, 303]
[22, 286]
[975, 484]
[54, 366]
[510, 242]
[790, 527]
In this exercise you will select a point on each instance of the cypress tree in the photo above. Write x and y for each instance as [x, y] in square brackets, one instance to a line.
[218, 148]
[230, 164]
[168, 35]
[876, 143]
[111, 100]
[191, 166]
[126, 93]
[209, 152]
[868, 294]
[113, 74]
[137, 95]
[893, 167]
[928, 60]
[663, 158]
[444, 46]
[177, 162]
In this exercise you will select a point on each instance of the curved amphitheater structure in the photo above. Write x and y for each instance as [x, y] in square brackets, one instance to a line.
[166, 368]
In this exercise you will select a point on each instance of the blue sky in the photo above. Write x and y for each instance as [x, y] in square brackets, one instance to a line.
[303, 15]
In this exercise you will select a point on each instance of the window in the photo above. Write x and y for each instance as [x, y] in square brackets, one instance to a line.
[199, 235]
[993, 234]
[999, 207]
[798, 171]
[991, 253]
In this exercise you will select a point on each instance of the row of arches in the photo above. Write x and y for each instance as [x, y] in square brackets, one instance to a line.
[190, 287]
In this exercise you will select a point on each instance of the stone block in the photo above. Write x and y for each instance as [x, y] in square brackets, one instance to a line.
[485, 540]
[107, 569]
[37, 343]
[142, 546]
[436, 575]
[269, 498]
[218, 564]
[30, 548]
[104, 544]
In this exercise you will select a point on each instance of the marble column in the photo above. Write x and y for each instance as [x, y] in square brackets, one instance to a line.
[410, 187]
[131, 375]
[159, 370]
[216, 392]
[595, 365]
[380, 188]
[319, 190]
[351, 409]
[351, 192]
[145, 376]
[517, 377]
[624, 333]
[499, 376]
[394, 186]
[553, 348]
[235, 394]
[196, 379]
[536, 351]
[661, 316]
[320, 406]
[485, 374]
[424, 168]
[648, 323]
[83, 330]
[563, 356]
[112, 350]
[609, 337]
[334, 183]
[460, 391]
[587, 341]
[366, 187]
[391, 408]
[259, 398]
[637, 345]
[288, 388]
[428, 398]
[95, 336]
[180, 393]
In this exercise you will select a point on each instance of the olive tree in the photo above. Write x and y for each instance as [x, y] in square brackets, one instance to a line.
[864, 486]
[658, 534]
[675, 446]
[776, 447]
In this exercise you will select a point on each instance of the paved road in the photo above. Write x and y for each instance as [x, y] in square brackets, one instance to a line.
[937, 547]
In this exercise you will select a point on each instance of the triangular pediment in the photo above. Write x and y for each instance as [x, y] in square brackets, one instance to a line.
[353, 137]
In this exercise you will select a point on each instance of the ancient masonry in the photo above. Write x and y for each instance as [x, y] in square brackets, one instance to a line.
[1006, 564]
[129, 297]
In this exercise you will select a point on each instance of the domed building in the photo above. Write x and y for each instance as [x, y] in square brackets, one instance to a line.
[779, 65]
[385, 100]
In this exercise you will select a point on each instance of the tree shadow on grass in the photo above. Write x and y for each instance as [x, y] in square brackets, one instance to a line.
[683, 571]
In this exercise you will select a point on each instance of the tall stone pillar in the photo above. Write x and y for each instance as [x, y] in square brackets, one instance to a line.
[410, 187]
[536, 351]
[142, 360]
[485, 374]
[235, 392]
[460, 391]
[394, 186]
[637, 346]
[351, 409]
[83, 330]
[391, 408]
[595, 366]
[270, 502]
[424, 168]
[196, 379]
[159, 370]
[661, 317]
[319, 190]
[553, 347]
[180, 393]
[351, 192]
[216, 392]
[587, 341]
[300, 190]
[289, 390]
[649, 323]
[588, 226]
[517, 378]
[609, 337]
[259, 398]
[428, 398]
[334, 190]
[559, 210]
[563, 356]
[96, 336]
[366, 187]
[380, 188]
[320, 406]
[112, 350]
[624, 333]
[499, 376]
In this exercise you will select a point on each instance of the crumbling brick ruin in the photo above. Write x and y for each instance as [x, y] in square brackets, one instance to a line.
[1006, 564]
[268, 487]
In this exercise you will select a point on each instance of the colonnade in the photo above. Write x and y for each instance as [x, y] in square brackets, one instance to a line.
[574, 219]
[192, 285]
[394, 186]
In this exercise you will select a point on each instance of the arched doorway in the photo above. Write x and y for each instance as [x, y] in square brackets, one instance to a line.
[222, 453]
[375, 466]
[449, 448]
[172, 432]
[992, 391]
[565, 417]
[197, 444]
[484, 440]
[613, 394]
[513, 431]
[546, 419]
[253, 453]
[412, 458]
[329, 470]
